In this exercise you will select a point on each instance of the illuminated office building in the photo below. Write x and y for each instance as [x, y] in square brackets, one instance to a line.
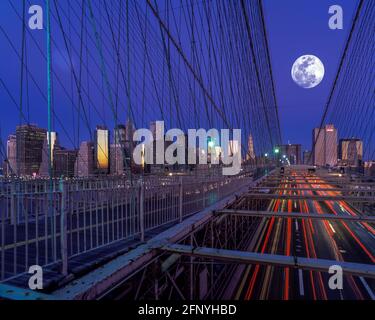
[102, 149]
[44, 168]
[30, 140]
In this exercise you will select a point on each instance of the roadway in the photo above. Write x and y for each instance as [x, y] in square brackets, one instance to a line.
[335, 240]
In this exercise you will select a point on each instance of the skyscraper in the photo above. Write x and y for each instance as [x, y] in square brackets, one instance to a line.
[129, 145]
[250, 149]
[117, 159]
[30, 141]
[84, 164]
[44, 167]
[120, 134]
[102, 146]
[325, 151]
[292, 152]
[129, 131]
[351, 151]
[11, 163]
[117, 150]
[63, 162]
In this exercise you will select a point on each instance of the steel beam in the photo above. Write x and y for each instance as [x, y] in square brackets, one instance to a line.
[243, 257]
[297, 215]
[333, 181]
[8, 292]
[97, 282]
[346, 184]
[314, 189]
[259, 196]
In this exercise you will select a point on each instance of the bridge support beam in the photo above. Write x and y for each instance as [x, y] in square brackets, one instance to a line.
[272, 196]
[243, 257]
[297, 215]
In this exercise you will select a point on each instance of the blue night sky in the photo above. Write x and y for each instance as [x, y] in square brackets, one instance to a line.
[294, 27]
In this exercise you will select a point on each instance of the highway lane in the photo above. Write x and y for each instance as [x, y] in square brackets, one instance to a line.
[337, 240]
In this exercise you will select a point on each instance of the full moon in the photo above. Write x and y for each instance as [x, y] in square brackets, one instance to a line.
[308, 71]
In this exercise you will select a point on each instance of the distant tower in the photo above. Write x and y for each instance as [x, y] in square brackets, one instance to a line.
[250, 149]
[153, 128]
[117, 150]
[102, 150]
[84, 164]
[117, 161]
[11, 164]
[129, 131]
[30, 140]
[325, 151]
[64, 162]
[157, 131]
[120, 134]
[44, 168]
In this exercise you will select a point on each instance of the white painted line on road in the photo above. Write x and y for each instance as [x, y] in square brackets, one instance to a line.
[301, 287]
[371, 294]
[296, 225]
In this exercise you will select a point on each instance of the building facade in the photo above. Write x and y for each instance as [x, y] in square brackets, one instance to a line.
[44, 167]
[84, 164]
[250, 156]
[10, 165]
[117, 160]
[119, 135]
[325, 151]
[351, 152]
[102, 150]
[30, 140]
[63, 162]
[292, 152]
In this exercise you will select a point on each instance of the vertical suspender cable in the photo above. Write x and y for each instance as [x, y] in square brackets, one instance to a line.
[49, 114]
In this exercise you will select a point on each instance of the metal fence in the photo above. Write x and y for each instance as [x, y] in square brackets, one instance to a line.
[42, 227]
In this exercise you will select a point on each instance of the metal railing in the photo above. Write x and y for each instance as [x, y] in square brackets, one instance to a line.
[43, 227]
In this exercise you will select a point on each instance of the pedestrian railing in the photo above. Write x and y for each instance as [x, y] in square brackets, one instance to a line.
[43, 227]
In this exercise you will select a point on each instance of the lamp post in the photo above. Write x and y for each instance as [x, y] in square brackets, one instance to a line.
[276, 152]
